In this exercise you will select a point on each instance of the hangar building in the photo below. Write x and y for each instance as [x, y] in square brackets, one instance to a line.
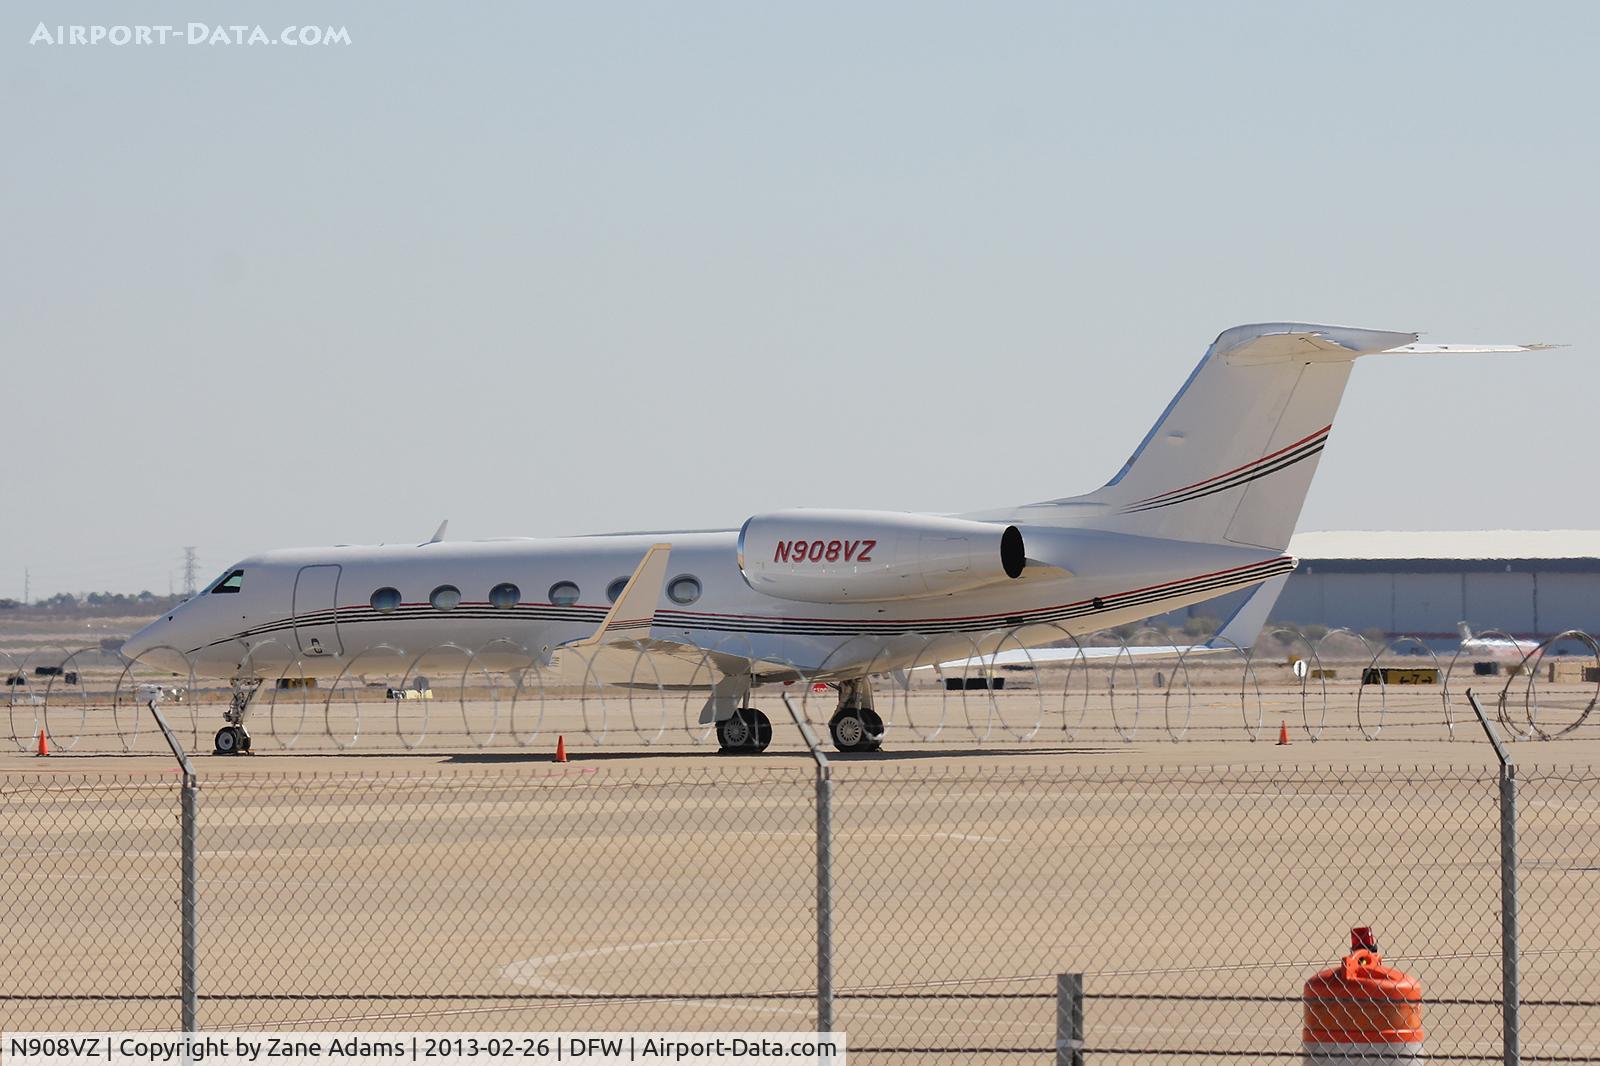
[1525, 582]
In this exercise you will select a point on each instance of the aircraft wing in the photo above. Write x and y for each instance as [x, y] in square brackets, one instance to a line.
[1239, 631]
[1039, 656]
[643, 663]
[1250, 617]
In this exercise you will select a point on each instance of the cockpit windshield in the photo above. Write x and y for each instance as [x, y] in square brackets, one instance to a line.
[229, 582]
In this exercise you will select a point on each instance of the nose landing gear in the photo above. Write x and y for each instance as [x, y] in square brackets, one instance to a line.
[232, 739]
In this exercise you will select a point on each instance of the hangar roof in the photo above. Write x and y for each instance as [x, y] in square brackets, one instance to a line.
[1450, 544]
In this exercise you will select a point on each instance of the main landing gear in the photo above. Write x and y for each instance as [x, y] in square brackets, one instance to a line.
[855, 726]
[232, 739]
[748, 731]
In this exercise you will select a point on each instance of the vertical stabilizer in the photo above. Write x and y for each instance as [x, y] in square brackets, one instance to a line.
[1230, 459]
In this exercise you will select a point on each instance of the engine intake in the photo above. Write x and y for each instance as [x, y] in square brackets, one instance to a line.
[818, 556]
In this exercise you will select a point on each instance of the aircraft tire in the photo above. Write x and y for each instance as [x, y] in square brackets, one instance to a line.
[229, 740]
[747, 731]
[874, 729]
[856, 730]
[763, 729]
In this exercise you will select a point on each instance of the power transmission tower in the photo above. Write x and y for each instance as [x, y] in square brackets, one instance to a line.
[191, 571]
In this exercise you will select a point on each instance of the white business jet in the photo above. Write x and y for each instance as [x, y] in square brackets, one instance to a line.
[1205, 505]
[1503, 648]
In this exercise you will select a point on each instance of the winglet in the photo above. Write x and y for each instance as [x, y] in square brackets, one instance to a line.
[631, 617]
[1247, 621]
[438, 534]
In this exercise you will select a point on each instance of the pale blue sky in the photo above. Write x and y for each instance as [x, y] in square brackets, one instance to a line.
[548, 269]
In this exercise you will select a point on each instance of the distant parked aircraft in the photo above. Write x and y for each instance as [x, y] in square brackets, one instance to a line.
[1507, 650]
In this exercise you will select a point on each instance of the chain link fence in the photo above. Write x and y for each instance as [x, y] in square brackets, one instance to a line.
[618, 895]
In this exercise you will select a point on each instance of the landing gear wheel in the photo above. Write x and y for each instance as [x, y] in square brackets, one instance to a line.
[763, 729]
[748, 731]
[231, 740]
[856, 729]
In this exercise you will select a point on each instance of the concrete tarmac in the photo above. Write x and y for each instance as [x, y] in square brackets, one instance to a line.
[665, 887]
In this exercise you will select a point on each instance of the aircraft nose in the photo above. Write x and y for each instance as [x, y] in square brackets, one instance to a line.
[152, 646]
[135, 646]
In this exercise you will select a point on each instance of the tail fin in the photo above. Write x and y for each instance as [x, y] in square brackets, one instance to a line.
[1465, 631]
[1231, 458]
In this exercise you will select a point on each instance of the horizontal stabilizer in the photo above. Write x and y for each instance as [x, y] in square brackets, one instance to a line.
[1467, 349]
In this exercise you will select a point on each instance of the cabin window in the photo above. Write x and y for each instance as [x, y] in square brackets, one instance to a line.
[563, 594]
[684, 589]
[386, 600]
[445, 598]
[505, 595]
[229, 582]
[614, 589]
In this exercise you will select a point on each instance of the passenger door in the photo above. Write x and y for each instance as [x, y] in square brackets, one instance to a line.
[316, 597]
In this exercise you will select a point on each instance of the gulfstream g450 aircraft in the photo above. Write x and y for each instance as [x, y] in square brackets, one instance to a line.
[1205, 505]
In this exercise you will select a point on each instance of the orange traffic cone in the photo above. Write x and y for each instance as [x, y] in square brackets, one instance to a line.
[561, 749]
[44, 744]
[1283, 735]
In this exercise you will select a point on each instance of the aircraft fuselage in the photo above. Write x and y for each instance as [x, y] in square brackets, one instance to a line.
[317, 613]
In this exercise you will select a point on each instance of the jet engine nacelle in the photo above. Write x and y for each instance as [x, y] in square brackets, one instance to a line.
[859, 556]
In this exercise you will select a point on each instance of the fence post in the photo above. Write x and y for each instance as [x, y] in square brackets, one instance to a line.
[188, 884]
[824, 871]
[1069, 1019]
[824, 901]
[1510, 984]
[1509, 950]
